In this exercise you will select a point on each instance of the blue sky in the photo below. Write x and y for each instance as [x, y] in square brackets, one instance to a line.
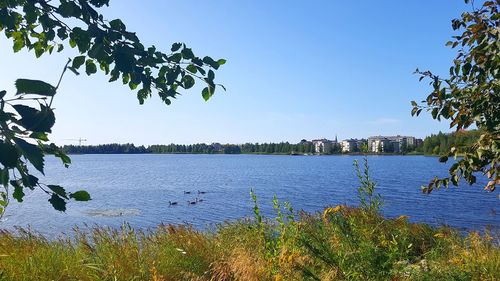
[295, 69]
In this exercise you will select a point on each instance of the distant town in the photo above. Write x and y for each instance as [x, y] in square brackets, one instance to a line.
[376, 144]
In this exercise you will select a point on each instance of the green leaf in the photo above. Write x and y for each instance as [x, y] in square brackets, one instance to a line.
[36, 87]
[211, 62]
[57, 202]
[32, 152]
[39, 50]
[99, 3]
[211, 75]
[117, 24]
[176, 57]
[30, 181]
[221, 62]
[64, 158]
[36, 120]
[4, 177]
[435, 112]
[206, 93]
[81, 39]
[8, 155]
[466, 68]
[18, 45]
[187, 53]
[188, 81]
[57, 152]
[59, 190]
[80, 195]
[69, 9]
[78, 61]
[90, 67]
[414, 111]
[18, 190]
[61, 33]
[176, 47]
[132, 86]
[191, 68]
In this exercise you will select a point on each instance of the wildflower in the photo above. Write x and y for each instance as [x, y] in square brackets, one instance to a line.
[338, 208]
[439, 235]
[456, 261]
[278, 277]
[327, 212]
[330, 210]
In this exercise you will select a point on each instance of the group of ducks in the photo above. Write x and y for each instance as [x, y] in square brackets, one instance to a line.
[174, 203]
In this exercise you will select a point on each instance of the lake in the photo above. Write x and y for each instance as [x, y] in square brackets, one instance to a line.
[137, 188]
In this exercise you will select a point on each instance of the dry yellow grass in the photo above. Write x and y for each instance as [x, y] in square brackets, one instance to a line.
[339, 244]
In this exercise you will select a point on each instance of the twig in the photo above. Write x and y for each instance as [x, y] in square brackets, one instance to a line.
[60, 79]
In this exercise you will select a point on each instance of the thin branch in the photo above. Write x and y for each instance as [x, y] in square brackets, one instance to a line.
[60, 79]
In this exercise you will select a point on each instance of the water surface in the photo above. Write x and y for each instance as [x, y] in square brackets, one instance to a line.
[136, 189]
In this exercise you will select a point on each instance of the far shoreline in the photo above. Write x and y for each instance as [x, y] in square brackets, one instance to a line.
[272, 154]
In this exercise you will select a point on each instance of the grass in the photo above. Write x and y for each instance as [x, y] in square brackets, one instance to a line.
[340, 243]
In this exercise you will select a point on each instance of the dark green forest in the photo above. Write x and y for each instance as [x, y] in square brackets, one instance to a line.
[441, 143]
[200, 148]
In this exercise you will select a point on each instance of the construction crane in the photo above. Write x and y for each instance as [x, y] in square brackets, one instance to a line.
[79, 140]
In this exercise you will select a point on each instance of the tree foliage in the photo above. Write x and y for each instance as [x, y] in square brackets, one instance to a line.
[470, 96]
[45, 26]
[440, 144]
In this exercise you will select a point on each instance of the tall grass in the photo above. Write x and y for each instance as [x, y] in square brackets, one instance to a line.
[340, 243]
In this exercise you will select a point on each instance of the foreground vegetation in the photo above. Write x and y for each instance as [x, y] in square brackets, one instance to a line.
[342, 243]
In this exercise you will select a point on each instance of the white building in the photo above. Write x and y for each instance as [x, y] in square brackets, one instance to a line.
[324, 145]
[378, 144]
[352, 145]
[349, 145]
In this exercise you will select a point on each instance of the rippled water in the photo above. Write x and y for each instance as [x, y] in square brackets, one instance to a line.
[136, 189]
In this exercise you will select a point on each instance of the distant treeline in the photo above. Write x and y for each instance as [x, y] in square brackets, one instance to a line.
[435, 144]
[113, 148]
[442, 143]
[200, 148]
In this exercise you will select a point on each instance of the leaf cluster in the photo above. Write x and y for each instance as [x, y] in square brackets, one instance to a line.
[43, 26]
[24, 140]
[470, 96]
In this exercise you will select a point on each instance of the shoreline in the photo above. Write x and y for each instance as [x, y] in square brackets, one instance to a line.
[276, 154]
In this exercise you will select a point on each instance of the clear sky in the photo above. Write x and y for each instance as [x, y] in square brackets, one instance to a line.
[295, 69]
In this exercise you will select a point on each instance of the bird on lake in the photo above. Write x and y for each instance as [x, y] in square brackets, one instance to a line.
[191, 202]
[187, 192]
[172, 203]
[199, 200]
[201, 192]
